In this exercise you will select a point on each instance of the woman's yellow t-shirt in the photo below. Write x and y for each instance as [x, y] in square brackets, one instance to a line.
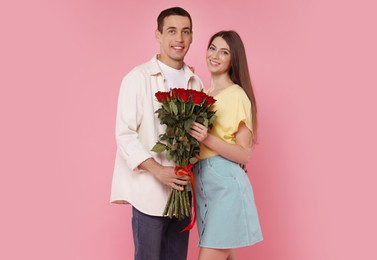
[232, 106]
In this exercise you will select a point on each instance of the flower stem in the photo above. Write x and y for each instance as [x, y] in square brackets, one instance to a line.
[181, 198]
[166, 210]
[172, 203]
[176, 204]
[188, 205]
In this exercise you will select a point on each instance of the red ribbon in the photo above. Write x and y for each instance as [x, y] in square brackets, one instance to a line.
[180, 171]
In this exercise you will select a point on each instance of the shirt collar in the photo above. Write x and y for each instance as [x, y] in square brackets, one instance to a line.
[155, 69]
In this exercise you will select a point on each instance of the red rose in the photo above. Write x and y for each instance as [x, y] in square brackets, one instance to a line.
[183, 95]
[162, 96]
[198, 97]
[174, 93]
[210, 100]
[193, 92]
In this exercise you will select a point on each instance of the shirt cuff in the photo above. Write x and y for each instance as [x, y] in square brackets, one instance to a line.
[136, 159]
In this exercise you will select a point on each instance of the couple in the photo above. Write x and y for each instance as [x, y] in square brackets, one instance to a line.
[226, 213]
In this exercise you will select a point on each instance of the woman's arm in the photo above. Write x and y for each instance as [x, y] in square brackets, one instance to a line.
[239, 152]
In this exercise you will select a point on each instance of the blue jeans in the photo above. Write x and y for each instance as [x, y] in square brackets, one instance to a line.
[159, 238]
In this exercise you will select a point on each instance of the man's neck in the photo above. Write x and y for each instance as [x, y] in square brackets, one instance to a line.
[171, 63]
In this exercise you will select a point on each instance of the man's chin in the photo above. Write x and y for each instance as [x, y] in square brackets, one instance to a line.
[179, 58]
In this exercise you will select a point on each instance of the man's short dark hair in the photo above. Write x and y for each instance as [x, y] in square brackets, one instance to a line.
[172, 11]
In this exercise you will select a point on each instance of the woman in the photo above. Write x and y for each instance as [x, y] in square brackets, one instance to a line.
[227, 217]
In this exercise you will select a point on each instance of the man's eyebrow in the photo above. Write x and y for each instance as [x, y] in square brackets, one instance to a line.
[175, 28]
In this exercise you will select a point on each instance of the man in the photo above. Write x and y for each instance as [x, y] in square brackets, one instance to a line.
[143, 178]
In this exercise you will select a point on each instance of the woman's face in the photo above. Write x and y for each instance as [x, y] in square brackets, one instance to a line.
[218, 56]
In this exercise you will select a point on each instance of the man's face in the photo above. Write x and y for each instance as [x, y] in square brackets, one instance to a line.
[175, 40]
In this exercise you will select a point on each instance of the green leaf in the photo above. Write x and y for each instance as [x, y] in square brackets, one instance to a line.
[188, 123]
[184, 140]
[193, 160]
[165, 107]
[158, 148]
[179, 132]
[170, 121]
[169, 156]
[175, 108]
[174, 147]
[205, 123]
[160, 111]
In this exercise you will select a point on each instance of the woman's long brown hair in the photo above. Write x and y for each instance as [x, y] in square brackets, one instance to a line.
[239, 71]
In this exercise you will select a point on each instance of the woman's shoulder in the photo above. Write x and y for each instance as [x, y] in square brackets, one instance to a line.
[237, 91]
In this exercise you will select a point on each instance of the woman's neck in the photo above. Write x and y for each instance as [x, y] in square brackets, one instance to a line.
[220, 82]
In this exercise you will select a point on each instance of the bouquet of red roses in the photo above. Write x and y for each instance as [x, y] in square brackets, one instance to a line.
[179, 109]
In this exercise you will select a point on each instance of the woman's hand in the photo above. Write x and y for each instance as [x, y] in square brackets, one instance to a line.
[198, 131]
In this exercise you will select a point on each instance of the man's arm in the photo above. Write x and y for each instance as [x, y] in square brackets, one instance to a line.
[129, 117]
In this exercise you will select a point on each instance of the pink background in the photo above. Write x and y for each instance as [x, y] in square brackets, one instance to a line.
[313, 64]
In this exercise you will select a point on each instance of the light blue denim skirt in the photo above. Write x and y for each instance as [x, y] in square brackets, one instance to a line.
[226, 212]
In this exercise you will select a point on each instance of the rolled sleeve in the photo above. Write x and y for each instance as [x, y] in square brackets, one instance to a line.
[128, 120]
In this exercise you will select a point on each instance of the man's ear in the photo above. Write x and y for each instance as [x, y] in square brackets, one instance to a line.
[157, 35]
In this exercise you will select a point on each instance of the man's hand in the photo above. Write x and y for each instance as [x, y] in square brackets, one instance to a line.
[164, 174]
[167, 176]
[192, 68]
